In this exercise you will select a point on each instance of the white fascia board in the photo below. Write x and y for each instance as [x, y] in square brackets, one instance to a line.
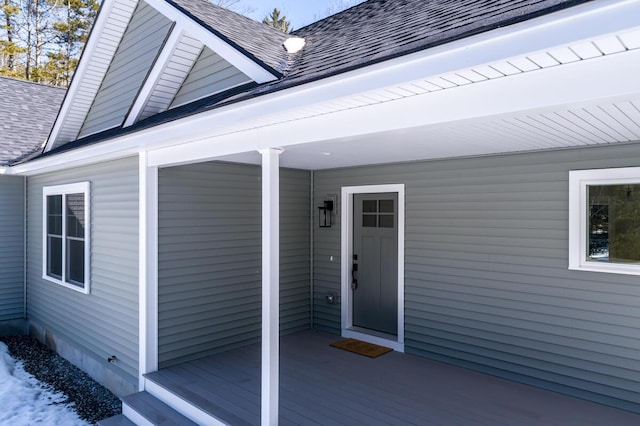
[473, 102]
[250, 68]
[154, 75]
[89, 50]
[4, 170]
[563, 28]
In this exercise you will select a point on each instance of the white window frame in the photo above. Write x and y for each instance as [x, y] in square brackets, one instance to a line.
[579, 180]
[74, 188]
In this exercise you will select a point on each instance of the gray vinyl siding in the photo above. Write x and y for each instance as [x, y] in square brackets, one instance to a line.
[210, 74]
[104, 322]
[12, 248]
[210, 258]
[136, 54]
[486, 278]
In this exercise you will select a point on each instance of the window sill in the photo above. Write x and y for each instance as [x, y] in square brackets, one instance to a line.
[84, 290]
[607, 268]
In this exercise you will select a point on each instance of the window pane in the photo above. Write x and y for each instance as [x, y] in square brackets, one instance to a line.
[386, 206]
[54, 214]
[614, 223]
[75, 261]
[369, 220]
[369, 206]
[54, 259]
[75, 215]
[386, 220]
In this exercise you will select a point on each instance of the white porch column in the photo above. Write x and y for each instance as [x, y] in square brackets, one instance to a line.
[270, 285]
[148, 268]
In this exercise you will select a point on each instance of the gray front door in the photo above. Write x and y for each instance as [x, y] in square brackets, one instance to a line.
[375, 262]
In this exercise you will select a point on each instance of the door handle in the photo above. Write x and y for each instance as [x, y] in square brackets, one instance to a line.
[354, 279]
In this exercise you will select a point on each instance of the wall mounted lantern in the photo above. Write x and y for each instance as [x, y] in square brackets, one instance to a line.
[324, 214]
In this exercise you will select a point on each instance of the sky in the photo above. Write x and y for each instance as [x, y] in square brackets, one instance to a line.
[24, 401]
[298, 12]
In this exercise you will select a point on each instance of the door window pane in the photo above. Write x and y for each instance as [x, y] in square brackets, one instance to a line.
[370, 206]
[386, 220]
[614, 223]
[369, 220]
[386, 206]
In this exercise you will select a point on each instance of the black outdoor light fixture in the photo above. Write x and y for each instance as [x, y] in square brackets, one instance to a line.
[324, 214]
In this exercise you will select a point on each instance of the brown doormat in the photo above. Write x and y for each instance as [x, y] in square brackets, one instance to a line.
[362, 348]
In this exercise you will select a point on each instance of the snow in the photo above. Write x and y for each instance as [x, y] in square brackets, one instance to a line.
[26, 401]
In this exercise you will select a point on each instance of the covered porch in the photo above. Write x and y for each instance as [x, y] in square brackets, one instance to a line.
[482, 207]
[320, 384]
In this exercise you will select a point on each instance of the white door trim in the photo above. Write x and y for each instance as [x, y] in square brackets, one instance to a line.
[347, 252]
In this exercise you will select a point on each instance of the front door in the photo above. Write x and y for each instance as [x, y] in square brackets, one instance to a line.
[375, 262]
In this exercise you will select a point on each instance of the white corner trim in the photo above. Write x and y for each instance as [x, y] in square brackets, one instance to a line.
[148, 269]
[158, 68]
[579, 180]
[346, 232]
[239, 60]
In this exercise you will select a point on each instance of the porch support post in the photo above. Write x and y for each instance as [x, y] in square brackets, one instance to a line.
[270, 285]
[148, 268]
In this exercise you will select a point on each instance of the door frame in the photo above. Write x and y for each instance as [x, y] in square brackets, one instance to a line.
[348, 330]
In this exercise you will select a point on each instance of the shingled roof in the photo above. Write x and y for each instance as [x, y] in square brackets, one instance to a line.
[27, 113]
[258, 41]
[368, 33]
[378, 30]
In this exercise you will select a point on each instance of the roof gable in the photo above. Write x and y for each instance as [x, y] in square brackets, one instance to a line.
[27, 112]
[139, 54]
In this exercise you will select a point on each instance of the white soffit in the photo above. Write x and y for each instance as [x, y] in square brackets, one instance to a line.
[107, 32]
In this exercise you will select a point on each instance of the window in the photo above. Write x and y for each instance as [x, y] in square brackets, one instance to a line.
[604, 220]
[66, 235]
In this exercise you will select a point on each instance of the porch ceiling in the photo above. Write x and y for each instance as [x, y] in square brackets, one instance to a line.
[582, 94]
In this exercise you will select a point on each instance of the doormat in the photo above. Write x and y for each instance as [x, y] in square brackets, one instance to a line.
[362, 348]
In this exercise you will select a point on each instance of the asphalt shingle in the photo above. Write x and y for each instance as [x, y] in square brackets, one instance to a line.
[258, 41]
[378, 30]
[27, 113]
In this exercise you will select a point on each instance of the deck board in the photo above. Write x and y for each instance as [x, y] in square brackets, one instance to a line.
[324, 385]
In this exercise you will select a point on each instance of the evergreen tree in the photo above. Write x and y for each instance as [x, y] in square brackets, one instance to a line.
[278, 22]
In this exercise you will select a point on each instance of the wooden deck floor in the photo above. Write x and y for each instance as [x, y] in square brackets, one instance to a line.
[328, 386]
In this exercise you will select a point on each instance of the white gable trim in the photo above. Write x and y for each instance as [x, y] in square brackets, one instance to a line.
[113, 20]
[83, 90]
[154, 75]
[256, 72]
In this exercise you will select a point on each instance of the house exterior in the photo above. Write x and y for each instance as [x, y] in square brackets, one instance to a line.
[462, 154]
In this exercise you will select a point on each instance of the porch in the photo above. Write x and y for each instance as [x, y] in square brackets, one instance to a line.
[323, 385]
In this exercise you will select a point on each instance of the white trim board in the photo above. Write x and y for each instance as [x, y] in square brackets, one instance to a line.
[579, 180]
[250, 68]
[346, 217]
[148, 269]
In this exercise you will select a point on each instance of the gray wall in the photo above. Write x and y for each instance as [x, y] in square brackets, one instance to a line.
[11, 248]
[104, 322]
[487, 284]
[210, 258]
[133, 59]
[210, 74]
